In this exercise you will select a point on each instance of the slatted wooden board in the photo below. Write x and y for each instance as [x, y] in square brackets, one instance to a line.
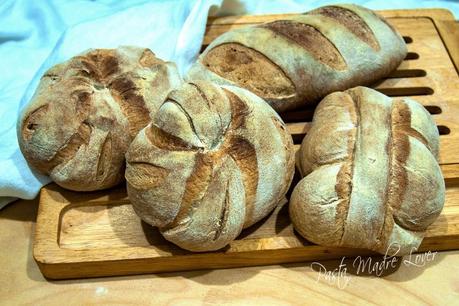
[98, 234]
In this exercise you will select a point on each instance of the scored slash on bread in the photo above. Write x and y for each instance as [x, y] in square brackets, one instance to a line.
[86, 111]
[214, 160]
[298, 60]
[372, 179]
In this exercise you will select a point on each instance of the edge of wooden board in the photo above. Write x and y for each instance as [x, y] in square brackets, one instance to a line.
[66, 270]
[58, 263]
[448, 29]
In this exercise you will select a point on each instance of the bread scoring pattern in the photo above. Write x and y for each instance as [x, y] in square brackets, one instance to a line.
[310, 39]
[351, 21]
[213, 161]
[299, 60]
[371, 175]
[86, 111]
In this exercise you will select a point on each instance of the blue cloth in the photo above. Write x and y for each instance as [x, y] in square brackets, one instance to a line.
[34, 35]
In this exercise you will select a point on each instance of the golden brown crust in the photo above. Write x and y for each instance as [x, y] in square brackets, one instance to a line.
[351, 21]
[250, 69]
[132, 104]
[86, 111]
[245, 156]
[387, 191]
[146, 175]
[343, 189]
[195, 187]
[299, 60]
[166, 141]
[223, 173]
[311, 39]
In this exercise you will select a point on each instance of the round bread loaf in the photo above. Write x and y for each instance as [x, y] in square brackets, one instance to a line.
[214, 160]
[372, 178]
[86, 111]
[300, 59]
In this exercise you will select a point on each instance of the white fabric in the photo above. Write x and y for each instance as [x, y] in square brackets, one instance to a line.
[34, 35]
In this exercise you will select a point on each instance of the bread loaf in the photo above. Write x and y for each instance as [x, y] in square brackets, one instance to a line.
[86, 111]
[371, 175]
[214, 160]
[298, 60]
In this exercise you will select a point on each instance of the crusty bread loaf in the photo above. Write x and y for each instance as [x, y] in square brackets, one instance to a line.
[371, 176]
[300, 59]
[86, 111]
[213, 161]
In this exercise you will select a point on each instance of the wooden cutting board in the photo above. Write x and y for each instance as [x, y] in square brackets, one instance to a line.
[98, 233]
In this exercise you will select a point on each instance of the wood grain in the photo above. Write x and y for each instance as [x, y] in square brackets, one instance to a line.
[21, 282]
[98, 234]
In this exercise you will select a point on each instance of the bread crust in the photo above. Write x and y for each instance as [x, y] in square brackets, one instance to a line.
[86, 111]
[299, 60]
[214, 160]
[371, 176]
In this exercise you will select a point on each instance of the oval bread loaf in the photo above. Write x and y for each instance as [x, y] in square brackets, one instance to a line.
[214, 160]
[300, 59]
[371, 175]
[86, 111]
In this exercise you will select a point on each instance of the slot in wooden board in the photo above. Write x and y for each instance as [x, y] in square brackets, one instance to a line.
[98, 233]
